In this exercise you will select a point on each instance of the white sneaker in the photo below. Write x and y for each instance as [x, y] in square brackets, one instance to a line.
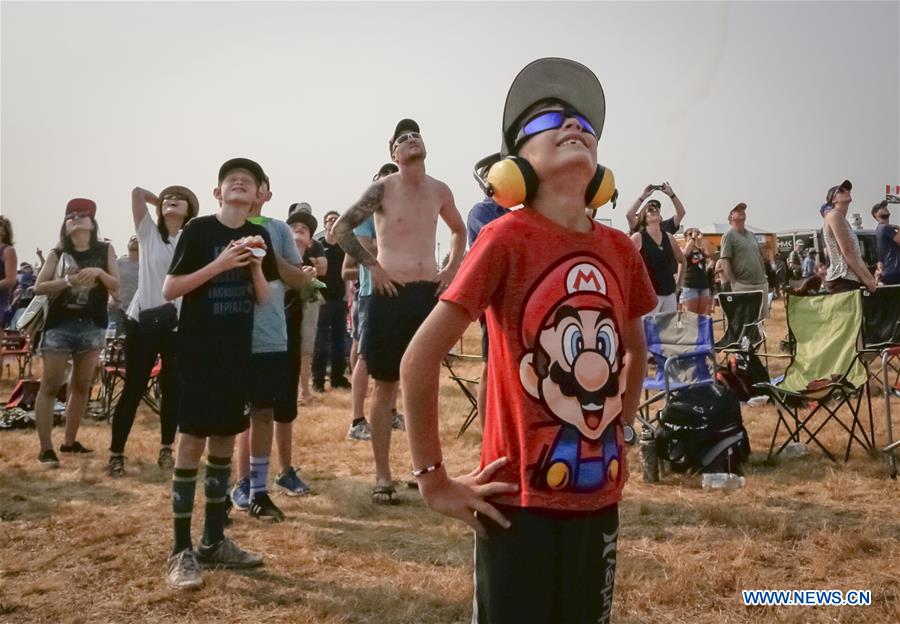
[184, 571]
[359, 431]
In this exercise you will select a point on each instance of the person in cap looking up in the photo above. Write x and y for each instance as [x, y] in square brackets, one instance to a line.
[846, 269]
[155, 337]
[75, 324]
[887, 244]
[563, 296]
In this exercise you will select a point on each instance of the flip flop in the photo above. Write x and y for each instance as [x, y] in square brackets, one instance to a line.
[384, 495]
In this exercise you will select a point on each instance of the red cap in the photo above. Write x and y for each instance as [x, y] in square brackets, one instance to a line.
[82, 206]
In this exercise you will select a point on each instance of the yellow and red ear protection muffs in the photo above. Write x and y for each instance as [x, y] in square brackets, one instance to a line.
[511, 181]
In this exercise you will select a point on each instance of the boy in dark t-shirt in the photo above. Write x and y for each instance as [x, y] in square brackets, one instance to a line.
[563, 296]
[220, 269]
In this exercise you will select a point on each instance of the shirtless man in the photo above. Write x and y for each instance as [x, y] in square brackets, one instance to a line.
[405, 274]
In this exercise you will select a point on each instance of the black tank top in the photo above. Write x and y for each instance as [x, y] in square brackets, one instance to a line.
[660, 263]
[695, 274]
[75, 303]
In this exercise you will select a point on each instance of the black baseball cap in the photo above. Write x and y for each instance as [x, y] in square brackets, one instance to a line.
[244, 163]
[404, 126]
[304, 216]
[882, 204]
[386, 169]
[834, 190]
[558, 79]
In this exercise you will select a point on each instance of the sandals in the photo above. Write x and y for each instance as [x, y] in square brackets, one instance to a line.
[384, 495]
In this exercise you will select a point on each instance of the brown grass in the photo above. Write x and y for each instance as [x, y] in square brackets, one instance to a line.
[78, 547]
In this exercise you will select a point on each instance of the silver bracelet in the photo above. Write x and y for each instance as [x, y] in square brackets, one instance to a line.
[426, 470]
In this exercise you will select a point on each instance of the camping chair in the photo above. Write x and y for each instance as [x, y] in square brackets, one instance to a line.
[16, 345]
[680, 344]
[744, 313]
[466, 384]
[825, 370]
[112, 379]
[880, 329]
[892, 445]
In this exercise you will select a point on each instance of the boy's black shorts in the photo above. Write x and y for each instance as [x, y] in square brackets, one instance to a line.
[211, 404]
[546, 567]
[269, 385]
[391, 324]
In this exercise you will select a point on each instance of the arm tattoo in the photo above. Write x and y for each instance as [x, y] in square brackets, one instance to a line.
[356, 214]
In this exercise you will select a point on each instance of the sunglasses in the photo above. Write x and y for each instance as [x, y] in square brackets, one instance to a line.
[403, 138]
[651, 210]
[175, 196]
[551, 120]
[74, 216]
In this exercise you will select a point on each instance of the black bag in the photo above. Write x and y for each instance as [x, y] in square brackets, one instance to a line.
[160, 318]
[740, 372]
[701, 430]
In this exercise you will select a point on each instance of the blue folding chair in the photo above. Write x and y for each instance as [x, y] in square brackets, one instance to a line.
[682, 348]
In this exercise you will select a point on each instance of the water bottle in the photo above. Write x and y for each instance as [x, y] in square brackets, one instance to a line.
[649, 460]
[111, 331]
[722, 481]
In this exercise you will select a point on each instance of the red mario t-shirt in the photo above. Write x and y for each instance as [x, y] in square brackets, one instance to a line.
[556, 304]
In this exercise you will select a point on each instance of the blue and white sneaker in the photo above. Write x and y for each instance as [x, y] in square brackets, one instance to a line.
[291, 484]
[240, 494]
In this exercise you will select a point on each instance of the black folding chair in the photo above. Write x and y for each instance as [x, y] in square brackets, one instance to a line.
[744, 313]
[466, 384]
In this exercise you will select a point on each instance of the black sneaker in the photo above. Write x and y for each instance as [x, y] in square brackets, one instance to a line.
[116, 466]
[76, 447]
[263, 508]
[48, 459]
[341, 383]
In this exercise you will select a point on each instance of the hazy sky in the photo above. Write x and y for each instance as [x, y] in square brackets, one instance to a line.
[767, 103]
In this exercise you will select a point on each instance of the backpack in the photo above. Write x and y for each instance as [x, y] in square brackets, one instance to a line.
[701, 431]
[740, 372]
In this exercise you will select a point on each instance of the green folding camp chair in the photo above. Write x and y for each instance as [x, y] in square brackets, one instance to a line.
[825, 371]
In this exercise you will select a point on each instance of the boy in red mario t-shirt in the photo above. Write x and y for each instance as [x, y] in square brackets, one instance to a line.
[563, 297]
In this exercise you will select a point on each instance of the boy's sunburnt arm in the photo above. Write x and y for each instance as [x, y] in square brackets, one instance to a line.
[293, 276]
[419, 378]
[635, 368]
[356, 214]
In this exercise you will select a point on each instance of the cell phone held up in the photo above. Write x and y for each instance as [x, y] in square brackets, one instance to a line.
[657, 187]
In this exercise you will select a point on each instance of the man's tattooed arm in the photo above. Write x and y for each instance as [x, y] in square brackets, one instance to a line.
[356, 214]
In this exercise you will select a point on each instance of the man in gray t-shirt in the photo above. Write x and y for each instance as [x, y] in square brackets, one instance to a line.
[128, 285]
[269, 380]
[742, 257]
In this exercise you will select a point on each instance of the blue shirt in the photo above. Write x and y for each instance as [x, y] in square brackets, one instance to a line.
[367, 229]
[887, 250]
[481, 214]
[269, 325]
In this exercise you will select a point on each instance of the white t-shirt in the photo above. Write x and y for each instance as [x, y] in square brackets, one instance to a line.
[154, 257]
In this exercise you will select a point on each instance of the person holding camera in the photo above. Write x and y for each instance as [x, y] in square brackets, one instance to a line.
[670, 225]
[695, 291]
[662, 256]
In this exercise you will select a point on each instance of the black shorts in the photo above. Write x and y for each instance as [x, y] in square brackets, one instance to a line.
[268, 385]
[392, 323]
[484, 339]
[546, 567]
[211, 404]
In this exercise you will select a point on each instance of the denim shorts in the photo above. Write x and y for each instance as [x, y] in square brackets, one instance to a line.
[693, 293]
[75, 336]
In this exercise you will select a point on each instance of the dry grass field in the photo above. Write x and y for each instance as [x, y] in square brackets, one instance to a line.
[76, 546]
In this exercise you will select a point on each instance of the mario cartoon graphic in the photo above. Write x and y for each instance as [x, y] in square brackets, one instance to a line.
[572, 365]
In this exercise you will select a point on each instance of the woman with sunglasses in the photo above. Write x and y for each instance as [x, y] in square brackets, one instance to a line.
[76, 319]
[8, 262]
[662, 256]
[151, 321]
